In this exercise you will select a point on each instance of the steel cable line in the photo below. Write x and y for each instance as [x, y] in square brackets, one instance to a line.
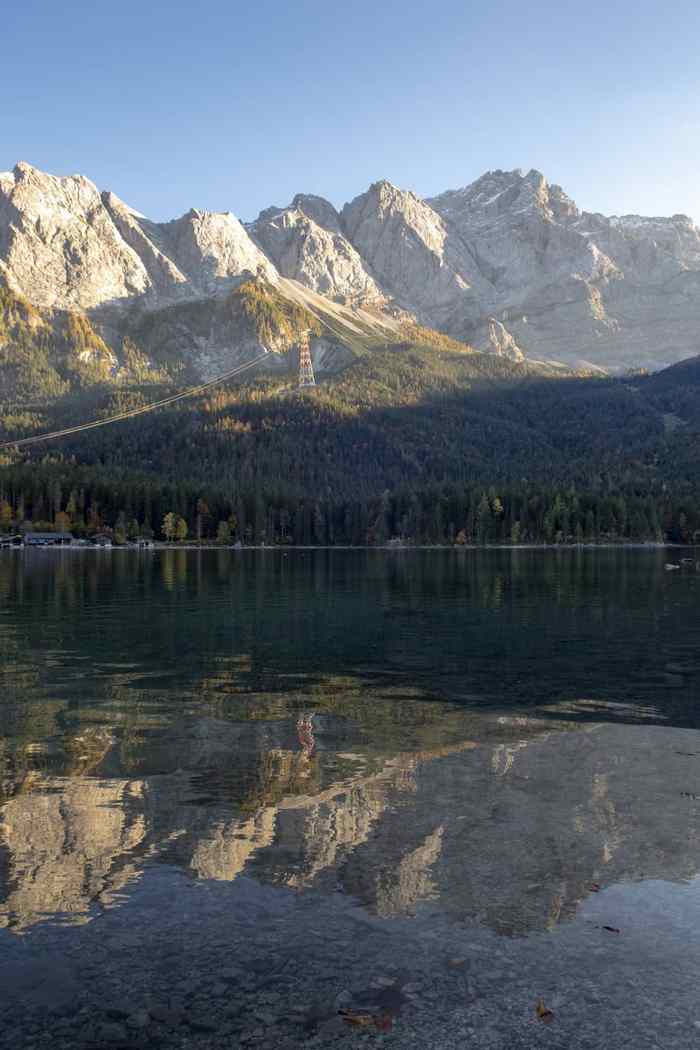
[190, 392]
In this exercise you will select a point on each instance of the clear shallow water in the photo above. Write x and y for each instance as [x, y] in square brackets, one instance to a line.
[206, 756]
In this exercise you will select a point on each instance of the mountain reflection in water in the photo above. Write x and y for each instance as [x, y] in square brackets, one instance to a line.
[510, 825]
[470, 735]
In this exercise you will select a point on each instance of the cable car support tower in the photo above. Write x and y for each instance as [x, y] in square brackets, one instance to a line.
[306, 368]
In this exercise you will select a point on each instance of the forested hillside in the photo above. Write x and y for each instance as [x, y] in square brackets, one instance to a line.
[423, 443]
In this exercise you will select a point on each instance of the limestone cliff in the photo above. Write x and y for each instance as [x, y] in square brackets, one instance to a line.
[59, 245]
[64, 244]
[408, 246]
[306, 244]
[508, 263]
[574, 286]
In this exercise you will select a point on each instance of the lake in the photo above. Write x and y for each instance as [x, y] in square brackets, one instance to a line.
[309, 798]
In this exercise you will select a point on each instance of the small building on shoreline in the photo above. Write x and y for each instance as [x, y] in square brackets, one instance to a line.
[10, 541]
[47, 539]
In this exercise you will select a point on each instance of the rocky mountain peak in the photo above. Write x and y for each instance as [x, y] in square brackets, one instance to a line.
[58, 244]
[405, 242]
[318, 209]
[507, 262]
[535, 189]
[24, 167]
[306, 243]
[665, 243]
[213, 249]
[389, 198]
[115, 204]
[384, 202]
[65, 244]
[506, 194]
[265, 214]
[55, 189]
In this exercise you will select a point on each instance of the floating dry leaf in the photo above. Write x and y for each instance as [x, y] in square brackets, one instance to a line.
[357, 1017]
[545, 1015]
[362, 1019]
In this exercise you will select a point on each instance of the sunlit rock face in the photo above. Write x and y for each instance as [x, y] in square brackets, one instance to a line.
[496, 339]
[306, 244]
[574, 286]
[143, 238]
[523, 232]
[65, 245]
[58, 244]
[508, 263]
[408, 246]
[213, 249]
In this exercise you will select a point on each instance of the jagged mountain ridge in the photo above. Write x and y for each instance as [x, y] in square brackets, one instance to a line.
[306, 243]
[607, 291]
[65, 245]
[508, 264]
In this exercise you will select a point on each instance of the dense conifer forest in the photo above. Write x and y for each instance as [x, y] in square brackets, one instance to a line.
[413, 443]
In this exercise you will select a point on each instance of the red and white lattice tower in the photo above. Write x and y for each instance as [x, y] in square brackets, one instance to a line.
[306, 368]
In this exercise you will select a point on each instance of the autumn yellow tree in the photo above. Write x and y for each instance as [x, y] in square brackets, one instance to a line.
[169, 526]
[5, 515]
[62, 522]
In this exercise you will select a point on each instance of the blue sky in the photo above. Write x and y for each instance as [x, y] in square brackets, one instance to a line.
[236, 106]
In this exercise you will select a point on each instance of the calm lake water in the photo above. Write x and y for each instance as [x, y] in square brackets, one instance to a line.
[243, 792]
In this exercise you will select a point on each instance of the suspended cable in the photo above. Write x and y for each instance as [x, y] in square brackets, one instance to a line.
[130, 413]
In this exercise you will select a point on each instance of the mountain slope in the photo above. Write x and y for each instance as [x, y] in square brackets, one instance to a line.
[58, 244]
[64, 245]
[306, 244]
[508, 264]
[576, 286]
[408, 246]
